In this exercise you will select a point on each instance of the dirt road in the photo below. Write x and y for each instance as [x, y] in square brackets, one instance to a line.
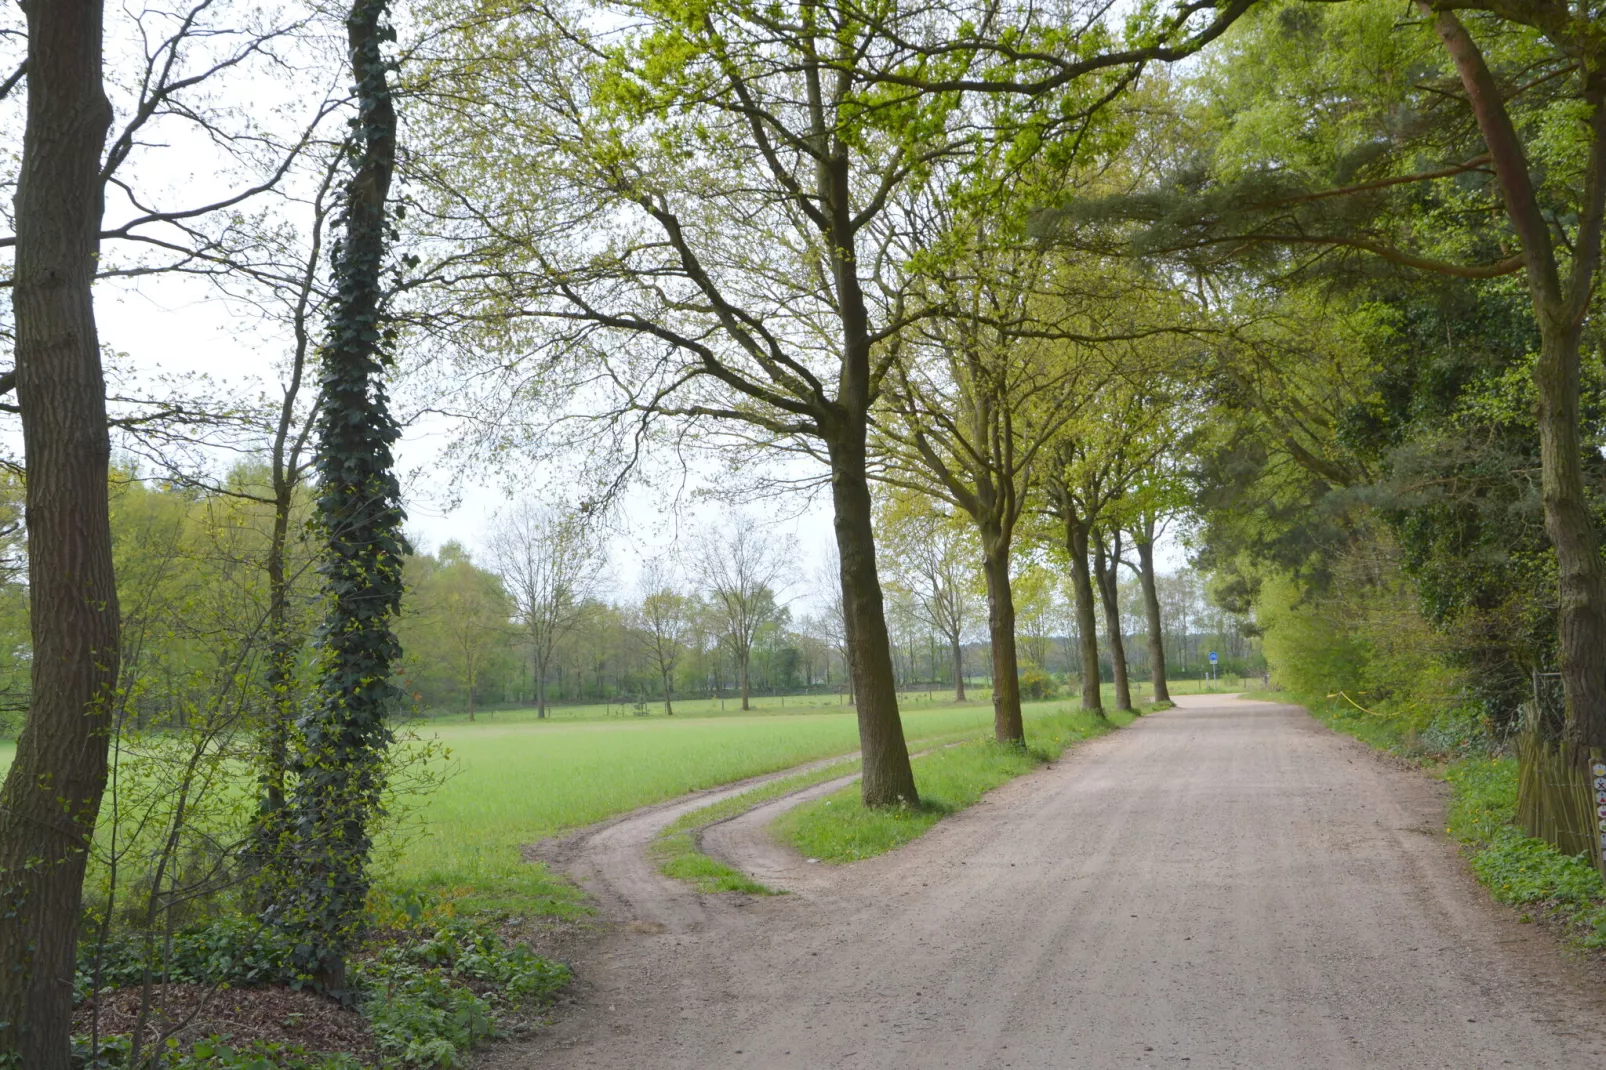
[1222, 885]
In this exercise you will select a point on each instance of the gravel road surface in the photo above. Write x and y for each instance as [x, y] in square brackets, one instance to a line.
[1226, 884]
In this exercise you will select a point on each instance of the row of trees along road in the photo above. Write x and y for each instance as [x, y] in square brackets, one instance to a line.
[1461, 192]
[1000, 262]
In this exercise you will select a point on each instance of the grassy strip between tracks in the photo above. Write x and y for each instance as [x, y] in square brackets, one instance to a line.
[675, 849]
[838, 828]
[1515, 868]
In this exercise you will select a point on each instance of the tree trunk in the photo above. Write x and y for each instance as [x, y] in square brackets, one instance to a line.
[53, 790]
[959, 667]
[340, 770]
[1559, 310]
[1007, 723]
[281, 679]
[1087, 628]
[1582, 576]
[888, 778]
[744, 678]
[1151, 610]
[669, 710]
[539, 667]
[1109, 592]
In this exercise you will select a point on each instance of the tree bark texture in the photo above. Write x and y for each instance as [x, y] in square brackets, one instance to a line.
[1559, 309]
[1151, 611]
[888, 778]
[52, 793]
[1087, 628]
[1104, 567]
[958, 652]
[1008, 726]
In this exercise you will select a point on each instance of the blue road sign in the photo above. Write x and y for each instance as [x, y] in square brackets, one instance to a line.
[1212, 657]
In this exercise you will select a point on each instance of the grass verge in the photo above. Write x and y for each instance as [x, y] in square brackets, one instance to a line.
[838, 828]
[1514, 867]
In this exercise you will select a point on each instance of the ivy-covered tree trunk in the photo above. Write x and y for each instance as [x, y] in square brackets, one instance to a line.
[338, 770]
[52, 793]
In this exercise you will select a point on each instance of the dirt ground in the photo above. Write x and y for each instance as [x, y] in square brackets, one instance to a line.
[1226, 884]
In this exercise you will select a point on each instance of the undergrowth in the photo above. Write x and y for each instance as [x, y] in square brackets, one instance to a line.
[1514, 867]
[216, 1053]
[429, 996]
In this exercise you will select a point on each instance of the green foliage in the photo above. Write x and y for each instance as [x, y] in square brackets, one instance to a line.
[1362, 636]
[1516, 868]
[214, 1053]
[473, 949]
[456, 630]
[1037, 685]
[418, 999]
[234, 951]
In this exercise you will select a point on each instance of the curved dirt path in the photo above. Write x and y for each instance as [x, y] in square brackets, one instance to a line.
[611, 860]
[1226, 884]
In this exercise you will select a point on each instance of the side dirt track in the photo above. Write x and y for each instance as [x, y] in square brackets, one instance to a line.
[1225, 884]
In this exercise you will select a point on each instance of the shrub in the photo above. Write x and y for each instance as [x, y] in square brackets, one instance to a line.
[1036, 685]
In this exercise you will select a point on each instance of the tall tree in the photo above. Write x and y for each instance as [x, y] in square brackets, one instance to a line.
[665, 621]
[931, 555]
[1447, 119]
[743, 571]
[52, 792]
[339, 767]
[969, 417]
[1106, 568]
[714, 208]
[1144, 530]
[552, 566]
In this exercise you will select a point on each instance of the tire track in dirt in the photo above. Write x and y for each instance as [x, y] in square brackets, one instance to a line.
[611, 860]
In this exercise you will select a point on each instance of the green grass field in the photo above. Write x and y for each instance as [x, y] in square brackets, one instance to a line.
[730, 707]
